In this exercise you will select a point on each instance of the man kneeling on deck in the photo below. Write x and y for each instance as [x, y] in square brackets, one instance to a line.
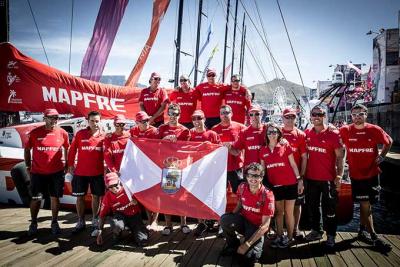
[125, 212]
[251, 217]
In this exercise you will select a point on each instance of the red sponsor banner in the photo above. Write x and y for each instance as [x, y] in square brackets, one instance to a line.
[28, 85]
[159, 9]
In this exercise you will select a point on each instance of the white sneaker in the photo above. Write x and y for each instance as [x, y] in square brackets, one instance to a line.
[94, 233]
[313, 236]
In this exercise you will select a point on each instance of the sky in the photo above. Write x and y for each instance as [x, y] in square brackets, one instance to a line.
[323, 32]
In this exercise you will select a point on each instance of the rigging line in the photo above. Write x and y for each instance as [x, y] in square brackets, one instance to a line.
[70, 37]
[291, 46]
[37, 29]
[273, 58]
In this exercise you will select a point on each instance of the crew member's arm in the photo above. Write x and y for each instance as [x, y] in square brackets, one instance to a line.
[141, 105]
[339, 152]
[100, 231]
[238, 207]
[72, 154]
[385, 150]
[300, 186]
[27, 158]
[242, 249]
[108, 157]
[158, 112]
[303, 165]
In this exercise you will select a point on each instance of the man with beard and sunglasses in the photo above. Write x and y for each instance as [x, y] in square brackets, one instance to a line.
[362, 140]
[323, 175]
[143, 129]
[46, 168]
[153, 100]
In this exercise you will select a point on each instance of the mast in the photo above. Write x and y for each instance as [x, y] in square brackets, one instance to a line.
[234, 37]
[196, 59]
[5, 21]
[226, 36]
[242, 44]
[178, 43]
[243, 49]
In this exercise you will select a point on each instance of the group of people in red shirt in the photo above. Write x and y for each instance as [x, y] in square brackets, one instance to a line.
[273, 169]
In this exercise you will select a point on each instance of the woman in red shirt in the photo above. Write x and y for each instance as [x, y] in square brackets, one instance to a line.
[284, 180]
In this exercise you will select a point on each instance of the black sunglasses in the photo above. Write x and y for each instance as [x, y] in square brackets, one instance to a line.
[254, 114]
[236, 80]
[113, 186]
[211, 75]
[52, 118]
[119, 124]
[318, 114]
[157, 79]
[183, 80]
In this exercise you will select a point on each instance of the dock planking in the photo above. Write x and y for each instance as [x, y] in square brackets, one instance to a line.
[17, 249]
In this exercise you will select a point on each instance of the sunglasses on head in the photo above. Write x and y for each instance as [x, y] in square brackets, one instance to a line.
[361, 114]
[225, 112]
[210, 75]
[197, 118]
[157, 79]
[183, 80]
[113, 186]
[254, 114]
[251, 175]
[52, 118]
[318, 114]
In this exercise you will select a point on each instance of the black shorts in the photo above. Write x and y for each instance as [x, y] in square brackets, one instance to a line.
[80, 185]
[43, 185]
[366, 189]
[210, 122]
[285, 192]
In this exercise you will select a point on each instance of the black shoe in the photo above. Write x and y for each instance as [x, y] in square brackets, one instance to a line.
[200, 229]
[32, 229]
[228, 251]
[382, 245]
[80, 226]
[364, 237]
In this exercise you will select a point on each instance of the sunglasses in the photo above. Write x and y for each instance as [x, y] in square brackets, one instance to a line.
[292, 117]
[113, 186]
[211, 75]
[157, 79]
[52, 118]
[173, 114]
[236, 81]
[273, 132]
[361, 114]
[251, 175]
[183, 80]
[144, 121]
[318, 114]
[197, 118]
[119, 124]
[254, 114]
[225, 112]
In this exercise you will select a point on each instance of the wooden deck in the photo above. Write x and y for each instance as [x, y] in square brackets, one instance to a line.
[17, 249]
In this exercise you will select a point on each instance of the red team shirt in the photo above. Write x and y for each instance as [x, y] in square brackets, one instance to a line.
[252, 208]
[90, 153]
[321, 154]
[211, 96]
[151, 133]
[152, 101]
[187, 102]
[238, 101]
[46, 148]
[207, 135]
[117, 203]
[180, 131]
[297, 140]
[277, 165]
[251, 140]
[362, 149]
[230, 134]
[114, 147]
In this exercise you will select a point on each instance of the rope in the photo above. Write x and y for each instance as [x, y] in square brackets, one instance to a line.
[70, 37]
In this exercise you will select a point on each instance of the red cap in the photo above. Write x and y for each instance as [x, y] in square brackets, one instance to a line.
[51, 112]
[198, 112]
[255, 109]
[119, 119]
[142, 115]
[155, 75]
[209, 71]
[111, 178]
[289, 111]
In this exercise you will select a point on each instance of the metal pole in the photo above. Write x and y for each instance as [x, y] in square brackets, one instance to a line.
[242, 44]
[178, 43]
[244, 49]
[196, 59]
[226, 37]
[234, 37]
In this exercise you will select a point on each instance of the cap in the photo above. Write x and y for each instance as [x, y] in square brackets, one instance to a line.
[289, 111]
[255, 108]
[184, 77]
[119, 119]
[142, 115]
[155, 75]
[198, 112]
[209, 71]
[51, 112]
[111, 178]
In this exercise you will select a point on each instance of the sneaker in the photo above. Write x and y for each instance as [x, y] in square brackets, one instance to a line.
[167, 230]
[298, 235]
[382, 245]
[185, 229]
[364, 236]
[95, 223]
[80, 226]
[116, 237]
[32, 229]
[55, 228]
[200, 229]
[271, 235]
[94, 233]
[275, 242]
[228, 251]
[330, 241]
[284, 242]
[220, 233]
[313, 236]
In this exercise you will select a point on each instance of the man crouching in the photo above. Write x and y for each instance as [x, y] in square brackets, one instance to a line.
[251, 217]
[125, 212]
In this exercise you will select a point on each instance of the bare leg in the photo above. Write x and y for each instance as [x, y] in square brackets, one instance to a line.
[168, 222]
[297, 216]
[279, 212]
[366, 216]
[289, 217]
[95, 205]
[34, 207]
[80, 207]
[55, 206]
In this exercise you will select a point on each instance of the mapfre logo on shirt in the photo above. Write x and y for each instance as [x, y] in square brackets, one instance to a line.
[362, 150]
[253, 147]
[316, 149]
[275, 165]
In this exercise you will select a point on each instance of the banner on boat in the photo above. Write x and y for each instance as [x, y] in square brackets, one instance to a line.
[28, 85]
[182, 178]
